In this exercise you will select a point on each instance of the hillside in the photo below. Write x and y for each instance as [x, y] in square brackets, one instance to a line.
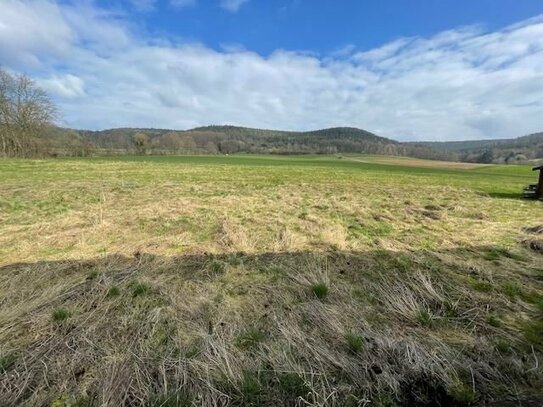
[229, 140]
[511, 151]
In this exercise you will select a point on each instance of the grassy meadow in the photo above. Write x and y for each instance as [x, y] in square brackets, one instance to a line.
[268, 280]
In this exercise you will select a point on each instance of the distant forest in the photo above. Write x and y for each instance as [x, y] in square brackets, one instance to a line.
[522, 150]
[229, 140]
[55, 141]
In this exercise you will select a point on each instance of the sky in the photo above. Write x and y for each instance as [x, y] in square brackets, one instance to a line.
[404, 69]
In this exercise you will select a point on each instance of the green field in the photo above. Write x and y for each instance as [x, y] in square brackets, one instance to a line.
[268, 280]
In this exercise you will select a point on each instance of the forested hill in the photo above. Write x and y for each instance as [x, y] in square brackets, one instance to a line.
[512, 151]
[229, 140]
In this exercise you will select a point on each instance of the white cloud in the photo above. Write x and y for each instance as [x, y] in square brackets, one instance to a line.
[67, 86]
[460, 84]
[233, 5]
[143, 5]
[183, 3]
[32, 32]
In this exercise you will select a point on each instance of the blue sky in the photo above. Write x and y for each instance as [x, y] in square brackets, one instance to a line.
[322, 26]
[410, 70]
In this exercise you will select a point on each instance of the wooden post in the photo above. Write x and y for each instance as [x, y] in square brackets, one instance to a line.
[539, 190]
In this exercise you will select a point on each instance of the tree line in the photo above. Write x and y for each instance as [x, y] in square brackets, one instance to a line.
[232, 140]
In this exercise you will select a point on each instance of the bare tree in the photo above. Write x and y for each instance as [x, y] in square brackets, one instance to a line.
[25, 112]
[141, 141]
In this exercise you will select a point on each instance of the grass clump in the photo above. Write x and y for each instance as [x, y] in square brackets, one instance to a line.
[250, 338]
[139, 289]
[462, 393]
[92, 275]
[425, 318]
[533, 333]
[502, 345]
[177, 399]
[512, 289]
[216, 267]
[451, 309]
[60, 315]
[493, 320]
[7, 361]
[292, 385]
[320, 290]
[66, 401]
[246, 391]
[496, 252]
[482, 286]
[355, 342]
[252, 391]
[113, 292]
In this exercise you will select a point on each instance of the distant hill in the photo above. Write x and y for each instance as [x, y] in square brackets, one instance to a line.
[519, 150]
[232, 139]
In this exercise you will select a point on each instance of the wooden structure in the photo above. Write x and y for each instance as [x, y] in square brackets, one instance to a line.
[535, 190]
[539, 190]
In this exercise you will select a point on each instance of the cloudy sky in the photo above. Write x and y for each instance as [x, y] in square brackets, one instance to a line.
[406, 69]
